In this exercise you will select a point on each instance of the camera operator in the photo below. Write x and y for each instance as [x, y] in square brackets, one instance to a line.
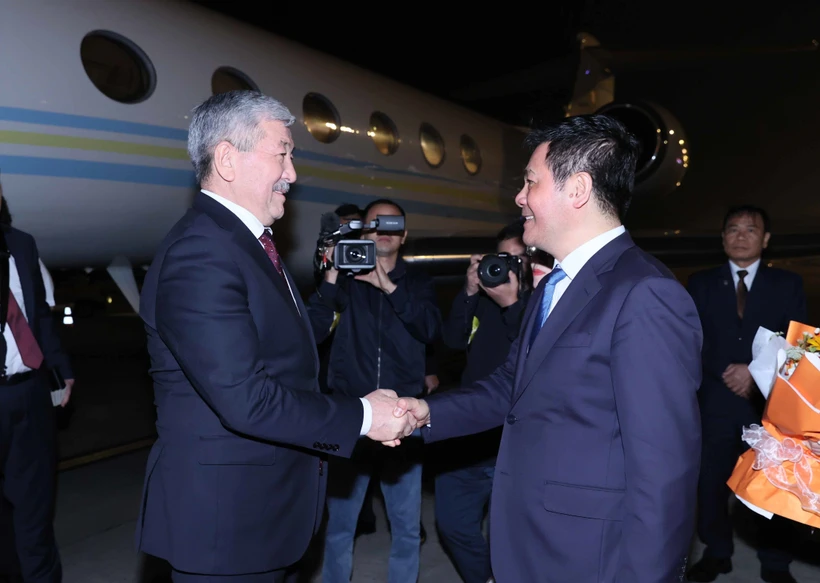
[389, 315]
[484, 320]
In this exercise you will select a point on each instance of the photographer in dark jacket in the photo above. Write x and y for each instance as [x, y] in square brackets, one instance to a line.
[388, 316]
[484, 321]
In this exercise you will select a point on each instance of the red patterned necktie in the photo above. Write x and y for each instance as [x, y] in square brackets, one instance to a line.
[270, 249]
[26, 343]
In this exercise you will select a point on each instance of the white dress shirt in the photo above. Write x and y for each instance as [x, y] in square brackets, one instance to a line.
[48, 283]
[750, 276]
[14, 361]
[257, 228]
[573, 262]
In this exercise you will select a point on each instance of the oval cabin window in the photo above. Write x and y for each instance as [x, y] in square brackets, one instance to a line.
[227, 79]
[384, 133]
[432, 145]
[321, 118]
[470, 155]
[117, 67]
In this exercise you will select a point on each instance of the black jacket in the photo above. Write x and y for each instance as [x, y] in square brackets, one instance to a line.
[486, 330]
[380, 339]
[775, 298]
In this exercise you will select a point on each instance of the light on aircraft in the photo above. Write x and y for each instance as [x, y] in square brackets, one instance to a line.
[470, 155]
[321, 118]
[384, 132]
[432, 145]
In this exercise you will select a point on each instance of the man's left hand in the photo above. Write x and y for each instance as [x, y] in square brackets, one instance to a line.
[377, 277]
[739, 380]
[431, 383]
[67, 395]
[505, 294]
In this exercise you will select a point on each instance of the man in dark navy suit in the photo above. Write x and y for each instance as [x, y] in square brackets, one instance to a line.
[29, 346]
[235, 484]
[734, 300]
[597, 471]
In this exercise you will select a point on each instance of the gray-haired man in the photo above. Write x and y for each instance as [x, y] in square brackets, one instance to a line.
[235, 485]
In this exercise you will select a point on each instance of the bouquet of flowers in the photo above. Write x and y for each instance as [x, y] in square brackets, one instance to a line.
[779, 474]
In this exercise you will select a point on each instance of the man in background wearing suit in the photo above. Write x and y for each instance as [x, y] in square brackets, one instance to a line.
[597, 471]
[734, 300]
[28, 448]
[234, 487]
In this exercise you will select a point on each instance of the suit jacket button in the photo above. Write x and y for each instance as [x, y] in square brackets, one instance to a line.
[511, 419]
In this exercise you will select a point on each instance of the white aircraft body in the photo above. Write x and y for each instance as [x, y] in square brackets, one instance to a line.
[95, 107]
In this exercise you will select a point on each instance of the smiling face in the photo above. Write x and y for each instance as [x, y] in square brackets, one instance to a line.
[264, 174]
[257, 179]
[543, 204]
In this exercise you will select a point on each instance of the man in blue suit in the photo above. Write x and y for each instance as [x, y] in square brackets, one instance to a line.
[235, 485]
[597, 471]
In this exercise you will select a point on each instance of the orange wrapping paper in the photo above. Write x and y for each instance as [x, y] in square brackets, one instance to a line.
[787, 478]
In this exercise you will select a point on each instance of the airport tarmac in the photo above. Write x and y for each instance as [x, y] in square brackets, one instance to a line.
[97, 505]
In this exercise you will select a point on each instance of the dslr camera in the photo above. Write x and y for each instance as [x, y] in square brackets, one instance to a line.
[494, 270]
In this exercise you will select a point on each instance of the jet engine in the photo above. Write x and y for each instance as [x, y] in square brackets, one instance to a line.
[665, 152]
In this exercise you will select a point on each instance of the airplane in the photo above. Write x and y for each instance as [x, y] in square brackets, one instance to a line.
[96, 103]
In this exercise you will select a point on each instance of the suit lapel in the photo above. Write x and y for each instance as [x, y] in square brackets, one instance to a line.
[23, 272]
[304, 314]
[726, 292]
[244, 238]
[756, 299]
[575, 298]
[246, 241]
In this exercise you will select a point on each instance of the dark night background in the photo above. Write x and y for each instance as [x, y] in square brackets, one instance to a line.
[744, 92]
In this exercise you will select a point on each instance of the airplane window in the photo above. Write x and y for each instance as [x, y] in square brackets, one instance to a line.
[117, 67]
[227, 79]
[432, 145]
[321, 118]
[384, 133]
[470, 155]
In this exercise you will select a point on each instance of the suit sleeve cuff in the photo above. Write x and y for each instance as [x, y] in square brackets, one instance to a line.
[367, 419]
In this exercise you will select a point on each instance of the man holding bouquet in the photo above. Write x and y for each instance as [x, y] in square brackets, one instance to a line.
[734, 300]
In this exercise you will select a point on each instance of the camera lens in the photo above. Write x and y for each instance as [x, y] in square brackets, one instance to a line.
[493, 271]
[355, 254]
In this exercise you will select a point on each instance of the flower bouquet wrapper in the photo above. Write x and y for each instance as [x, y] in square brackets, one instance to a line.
[779, 474]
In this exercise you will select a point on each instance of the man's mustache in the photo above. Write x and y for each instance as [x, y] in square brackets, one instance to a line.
[282, 186]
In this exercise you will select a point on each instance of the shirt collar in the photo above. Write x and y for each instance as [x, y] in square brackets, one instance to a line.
[573, 262]
[254, 225]
[751, 270]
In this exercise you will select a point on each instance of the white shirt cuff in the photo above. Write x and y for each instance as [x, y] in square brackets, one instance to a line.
[367, 419]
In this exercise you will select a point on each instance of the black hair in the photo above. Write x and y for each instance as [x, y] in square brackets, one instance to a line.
[514, 230]
[597, 144]
[748, 209]
[383, 201]
[347, 209]
[5, 213]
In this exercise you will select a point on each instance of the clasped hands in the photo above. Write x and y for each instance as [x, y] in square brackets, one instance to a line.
[395, 418]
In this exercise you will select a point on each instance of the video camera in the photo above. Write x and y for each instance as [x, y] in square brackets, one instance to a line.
[352, 254]
[494, 269]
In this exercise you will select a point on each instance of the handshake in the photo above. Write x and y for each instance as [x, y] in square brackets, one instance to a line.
[395, 418]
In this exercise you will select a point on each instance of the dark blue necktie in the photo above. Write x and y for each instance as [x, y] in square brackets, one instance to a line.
[553, 278]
